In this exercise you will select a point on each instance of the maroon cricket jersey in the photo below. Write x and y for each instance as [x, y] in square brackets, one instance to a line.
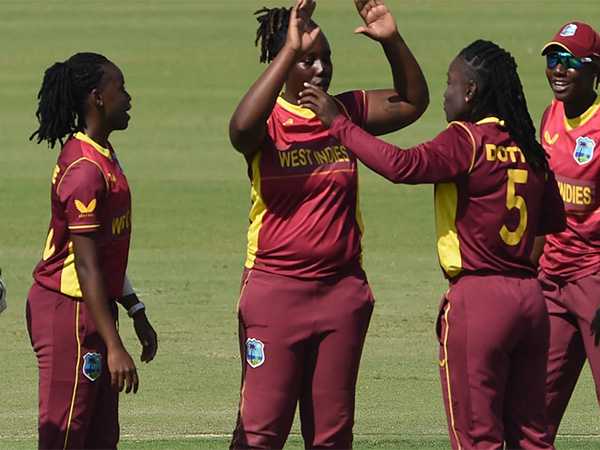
[305, 220]
[571, 144]
[89, 193]
[489, 203]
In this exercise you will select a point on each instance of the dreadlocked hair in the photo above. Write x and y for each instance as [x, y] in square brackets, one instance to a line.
[500, 92]
[272, 31]
[60, 99]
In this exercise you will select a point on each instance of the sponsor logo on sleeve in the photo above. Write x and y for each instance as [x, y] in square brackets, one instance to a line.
[255, 352]
[584, 150]
[92, 366]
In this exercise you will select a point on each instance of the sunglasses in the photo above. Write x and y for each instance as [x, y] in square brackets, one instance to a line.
[567, 60]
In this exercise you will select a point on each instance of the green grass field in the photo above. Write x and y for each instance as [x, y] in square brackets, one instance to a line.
[186, 64]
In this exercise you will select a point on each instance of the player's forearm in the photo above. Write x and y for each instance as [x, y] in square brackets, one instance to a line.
[387, 160]
[409, 82]
[93, 290]
[94, 296]
[247, 126]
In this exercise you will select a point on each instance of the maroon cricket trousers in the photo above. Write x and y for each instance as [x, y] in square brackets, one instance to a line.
[77, 407]
[493, 333]
[300, 342]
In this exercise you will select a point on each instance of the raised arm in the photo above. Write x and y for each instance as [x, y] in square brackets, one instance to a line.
[248, 125]
[392, 109]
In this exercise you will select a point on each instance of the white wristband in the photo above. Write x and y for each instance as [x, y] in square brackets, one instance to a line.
[135, 308]
[127, 287]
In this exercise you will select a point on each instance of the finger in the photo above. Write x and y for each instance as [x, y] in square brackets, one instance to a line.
[314, 33]
[153, 348]
[361, 30]
[294, 12]
[147, 352]
[359, 4]
[136, 382]
[308, 96]
[114, 380]
[310, 105]
[310, 8]
[128, 381]
[120, 381]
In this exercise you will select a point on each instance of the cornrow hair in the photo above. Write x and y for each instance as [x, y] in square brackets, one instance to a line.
[272, 31]
[61, 98]
[500, 92]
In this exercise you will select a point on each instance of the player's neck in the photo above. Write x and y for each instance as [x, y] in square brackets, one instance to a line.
[98, 135]
[577, 108]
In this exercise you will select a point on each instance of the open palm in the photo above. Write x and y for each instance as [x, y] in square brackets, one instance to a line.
[379, 22]
[301, 32]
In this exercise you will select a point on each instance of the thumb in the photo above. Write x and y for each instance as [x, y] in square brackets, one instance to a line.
[314, 33]
[362, 30]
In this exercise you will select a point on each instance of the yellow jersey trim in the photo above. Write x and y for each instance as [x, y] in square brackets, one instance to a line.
[295, 109]
[358, 217]
[446, 365]
[83, 227]
[571, 124]
[74, 396]
[69, 282]
[474, 149]
[257, 212]
[491, 119]
[448, 245]
[77, 161]
[88, 140]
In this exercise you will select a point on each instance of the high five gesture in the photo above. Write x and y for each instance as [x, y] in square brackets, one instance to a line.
[301, 33]
[379, 22]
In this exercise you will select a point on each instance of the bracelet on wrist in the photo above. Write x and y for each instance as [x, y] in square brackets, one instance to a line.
[137, 307]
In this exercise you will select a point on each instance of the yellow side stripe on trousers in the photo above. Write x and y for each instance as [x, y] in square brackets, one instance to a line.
[448, 376]
[76, 375]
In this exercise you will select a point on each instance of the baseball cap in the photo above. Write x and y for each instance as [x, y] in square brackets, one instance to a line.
[578, 38]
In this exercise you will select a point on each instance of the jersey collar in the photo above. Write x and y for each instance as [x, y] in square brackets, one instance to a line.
[295, 109]
[575, 122]
[491, 119]
[88, 140]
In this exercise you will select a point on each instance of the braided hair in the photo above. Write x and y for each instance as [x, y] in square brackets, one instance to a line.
[272, 31]
[61, 98]
[500, 92]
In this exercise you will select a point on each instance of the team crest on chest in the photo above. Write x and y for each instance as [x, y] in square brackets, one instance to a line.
[255, 352]
[92, 366]
[584, 150]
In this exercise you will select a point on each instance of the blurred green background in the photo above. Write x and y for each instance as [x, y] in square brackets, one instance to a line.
[187, 64]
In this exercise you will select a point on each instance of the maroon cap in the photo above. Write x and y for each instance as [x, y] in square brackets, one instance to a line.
[577, 38]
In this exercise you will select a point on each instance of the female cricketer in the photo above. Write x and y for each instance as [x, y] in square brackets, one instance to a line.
[493, 195]
[570, 263]
[71, 309]
[305, 303]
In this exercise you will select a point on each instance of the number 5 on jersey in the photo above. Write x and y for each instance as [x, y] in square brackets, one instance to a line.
[515, 176]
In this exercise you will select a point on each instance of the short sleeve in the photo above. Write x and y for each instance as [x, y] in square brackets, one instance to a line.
[553, 219]
[81, 192]
[354, 104]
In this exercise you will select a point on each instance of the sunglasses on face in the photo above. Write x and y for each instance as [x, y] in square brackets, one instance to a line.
[567, 60]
